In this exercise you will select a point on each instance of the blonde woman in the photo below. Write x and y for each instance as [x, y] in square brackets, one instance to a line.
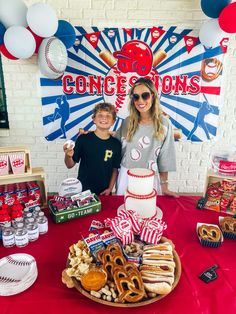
[147, 138]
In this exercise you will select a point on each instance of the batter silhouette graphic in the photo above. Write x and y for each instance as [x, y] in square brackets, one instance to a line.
[63, 111]
[204, 110]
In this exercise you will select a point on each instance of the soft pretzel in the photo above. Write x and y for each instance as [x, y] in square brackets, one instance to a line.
[209, 232]
[129, 284]
[228, 224]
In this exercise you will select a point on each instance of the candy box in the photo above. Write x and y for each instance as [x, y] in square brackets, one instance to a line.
[74, 212]
[209, 235]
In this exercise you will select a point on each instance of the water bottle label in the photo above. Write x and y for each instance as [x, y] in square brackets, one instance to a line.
[43, 228]
[8, 240]
[33, 234]
[21, 240]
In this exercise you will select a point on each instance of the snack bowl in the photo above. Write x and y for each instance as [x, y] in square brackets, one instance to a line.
[73, 282]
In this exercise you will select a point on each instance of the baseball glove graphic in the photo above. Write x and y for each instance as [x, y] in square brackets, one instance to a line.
[211, 69]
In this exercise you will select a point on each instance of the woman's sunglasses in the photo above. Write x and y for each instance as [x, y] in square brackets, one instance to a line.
[145, 96]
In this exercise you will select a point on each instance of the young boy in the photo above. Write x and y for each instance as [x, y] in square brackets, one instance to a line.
[98, 152]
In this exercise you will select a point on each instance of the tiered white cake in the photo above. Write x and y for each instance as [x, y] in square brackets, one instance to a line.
[140, 195]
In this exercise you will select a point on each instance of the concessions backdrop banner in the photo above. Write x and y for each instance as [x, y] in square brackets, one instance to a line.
[104, 63]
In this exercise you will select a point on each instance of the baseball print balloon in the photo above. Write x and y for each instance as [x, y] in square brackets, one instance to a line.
[144, 142]
[135, 154]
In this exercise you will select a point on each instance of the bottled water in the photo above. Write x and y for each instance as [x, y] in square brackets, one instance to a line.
[8, 235]
[21, 235]
[33, 230]
[36, 212]
[42, 223]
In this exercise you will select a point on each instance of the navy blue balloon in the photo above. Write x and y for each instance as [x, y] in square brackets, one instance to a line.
[2, 32]
[213, 8]
[66, 33]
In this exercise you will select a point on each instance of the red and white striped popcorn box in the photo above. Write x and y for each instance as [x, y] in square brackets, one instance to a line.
[4, 164]
[17, 160]
[152, 230]
[122, 228]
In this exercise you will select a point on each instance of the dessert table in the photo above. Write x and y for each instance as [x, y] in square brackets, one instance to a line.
[49, 295]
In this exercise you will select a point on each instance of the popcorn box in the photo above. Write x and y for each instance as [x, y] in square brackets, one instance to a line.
[4, 164]
[208, 243]
[17, 161]
[76, 212]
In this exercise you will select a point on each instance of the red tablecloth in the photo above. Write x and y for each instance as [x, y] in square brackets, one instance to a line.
[49, 296]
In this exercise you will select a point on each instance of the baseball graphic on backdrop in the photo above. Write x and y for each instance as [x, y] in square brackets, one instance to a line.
[111, 33]
[144, 142]
[189, 42]
[173, 39]
[135, 154]
[93, 38]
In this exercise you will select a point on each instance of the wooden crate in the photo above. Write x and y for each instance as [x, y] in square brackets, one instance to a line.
[12, 149]
[213, 177]
[37, 174]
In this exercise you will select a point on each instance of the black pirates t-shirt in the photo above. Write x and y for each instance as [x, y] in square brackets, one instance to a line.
[97, 159]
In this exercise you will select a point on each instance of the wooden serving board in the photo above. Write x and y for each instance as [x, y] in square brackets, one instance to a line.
[73, 282]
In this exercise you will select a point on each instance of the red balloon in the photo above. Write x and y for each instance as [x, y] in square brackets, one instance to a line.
[227, 18]
[6, 53]
[37, 38]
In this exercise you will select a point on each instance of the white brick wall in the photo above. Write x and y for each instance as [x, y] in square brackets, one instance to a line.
[23, 95]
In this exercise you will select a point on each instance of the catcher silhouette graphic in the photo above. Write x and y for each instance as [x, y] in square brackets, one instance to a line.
[63, 111]
[204, 110]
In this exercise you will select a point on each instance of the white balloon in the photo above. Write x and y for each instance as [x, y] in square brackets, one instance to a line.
[52, 57]
[19, 42]
[210, 33]
[42, 20]
[13, 12]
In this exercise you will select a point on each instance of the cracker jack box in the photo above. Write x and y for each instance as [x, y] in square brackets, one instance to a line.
[63, 209]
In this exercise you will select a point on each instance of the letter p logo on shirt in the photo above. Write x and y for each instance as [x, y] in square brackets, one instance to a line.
[108, 154]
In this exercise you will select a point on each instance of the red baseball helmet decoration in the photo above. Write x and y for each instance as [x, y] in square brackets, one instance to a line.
[135, 56]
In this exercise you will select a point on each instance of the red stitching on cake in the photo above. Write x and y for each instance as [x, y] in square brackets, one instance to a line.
[140, 176]
[142, 197]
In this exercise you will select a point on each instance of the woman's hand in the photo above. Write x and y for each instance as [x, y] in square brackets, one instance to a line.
[166, 191]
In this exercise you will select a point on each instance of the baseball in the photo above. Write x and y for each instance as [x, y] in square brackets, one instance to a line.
[189, 42]
[225, 42]
[211, 68]
[155, 34]
[173, 39]
[93, 38]
[69, 144]
[144, 142]
[77, 42]
[111, 33]
[135, 154]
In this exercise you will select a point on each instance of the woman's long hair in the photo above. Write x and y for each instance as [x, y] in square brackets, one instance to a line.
[155, 111]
